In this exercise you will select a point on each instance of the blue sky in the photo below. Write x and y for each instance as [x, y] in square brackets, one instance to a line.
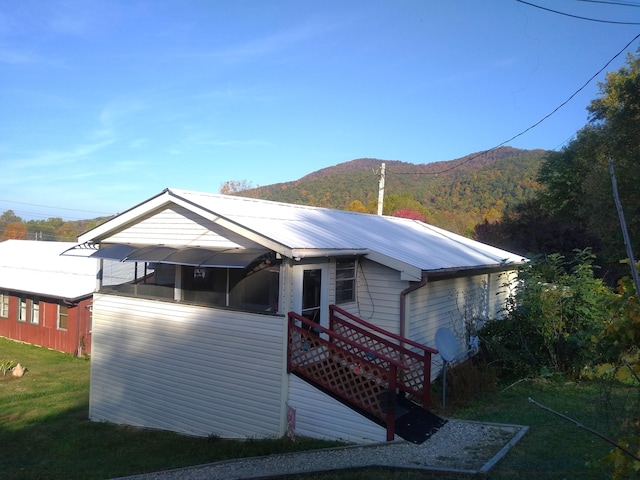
[106, 103]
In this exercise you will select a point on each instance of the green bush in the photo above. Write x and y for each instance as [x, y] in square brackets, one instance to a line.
[620, 345]
[550, 322]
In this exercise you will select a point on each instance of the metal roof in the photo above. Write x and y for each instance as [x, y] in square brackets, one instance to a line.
[38, 268]
[311, 228]
[303, 231]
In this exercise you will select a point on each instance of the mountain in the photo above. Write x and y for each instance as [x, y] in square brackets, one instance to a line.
[456, 194]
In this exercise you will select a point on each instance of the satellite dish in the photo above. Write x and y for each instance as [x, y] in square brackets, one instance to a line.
[446, 344]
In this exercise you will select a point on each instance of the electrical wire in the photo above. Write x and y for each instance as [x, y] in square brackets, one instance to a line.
[611, 2]
[453, 167]
[53, 207]
[577, 16]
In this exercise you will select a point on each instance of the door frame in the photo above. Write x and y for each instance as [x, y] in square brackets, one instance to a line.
[298, 275]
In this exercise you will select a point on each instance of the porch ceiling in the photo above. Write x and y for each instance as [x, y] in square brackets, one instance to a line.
[194, 256]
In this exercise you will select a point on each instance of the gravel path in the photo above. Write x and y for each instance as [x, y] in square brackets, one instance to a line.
[458, 446]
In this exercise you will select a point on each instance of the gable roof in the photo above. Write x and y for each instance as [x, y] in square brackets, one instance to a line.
[38, 268]
[299, 231]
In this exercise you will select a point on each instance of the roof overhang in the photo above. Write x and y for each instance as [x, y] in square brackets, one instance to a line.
[199, 257]
[192, 256]
[412, 273]
[166, 198]
[407, 271]
[472, 270]
[300, 253]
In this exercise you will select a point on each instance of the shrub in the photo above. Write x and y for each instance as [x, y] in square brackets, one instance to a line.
[551, 321]
[618, 344]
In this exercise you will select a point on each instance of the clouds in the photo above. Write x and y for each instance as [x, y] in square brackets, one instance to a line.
[272, 43]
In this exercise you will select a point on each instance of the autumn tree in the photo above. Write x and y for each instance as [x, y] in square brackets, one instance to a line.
[9, 216]
[15, 231]
[67, 232]
[357, 206]
[231, 187]
[410, 214]
[404, 202]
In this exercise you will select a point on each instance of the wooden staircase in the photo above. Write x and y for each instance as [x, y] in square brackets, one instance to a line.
[381, 375]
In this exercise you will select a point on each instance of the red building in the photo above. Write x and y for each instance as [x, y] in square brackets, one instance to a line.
[45, 298]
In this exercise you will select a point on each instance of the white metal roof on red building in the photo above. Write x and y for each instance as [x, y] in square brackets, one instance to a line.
[303, 231]
[38, 268]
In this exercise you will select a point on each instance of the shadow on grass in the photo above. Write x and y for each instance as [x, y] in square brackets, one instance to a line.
[69, 446]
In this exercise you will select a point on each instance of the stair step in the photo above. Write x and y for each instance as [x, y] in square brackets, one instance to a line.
[414, 423]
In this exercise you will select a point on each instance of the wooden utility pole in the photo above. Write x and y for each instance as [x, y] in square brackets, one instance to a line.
[381, 190]
[625, 232]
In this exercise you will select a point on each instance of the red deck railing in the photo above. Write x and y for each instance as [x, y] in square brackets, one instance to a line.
[360, 362]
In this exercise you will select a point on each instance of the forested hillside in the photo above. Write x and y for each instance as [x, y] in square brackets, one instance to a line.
[456, 194]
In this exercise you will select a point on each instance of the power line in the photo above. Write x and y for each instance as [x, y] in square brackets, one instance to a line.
[611, 2]
[532, 126]
[577, 16]
[36, 216]
[55, 208]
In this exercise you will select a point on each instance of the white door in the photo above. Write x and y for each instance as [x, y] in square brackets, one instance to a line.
[310, 299]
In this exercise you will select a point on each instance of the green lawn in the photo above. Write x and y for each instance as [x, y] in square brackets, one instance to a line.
[45, 433]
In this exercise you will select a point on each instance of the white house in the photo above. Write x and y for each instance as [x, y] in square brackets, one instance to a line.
[247, 318]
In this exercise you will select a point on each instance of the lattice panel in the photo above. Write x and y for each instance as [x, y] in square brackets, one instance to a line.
[357, 380]
[411, 377]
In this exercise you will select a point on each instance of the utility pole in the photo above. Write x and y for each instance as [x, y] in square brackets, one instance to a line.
[625, 232]
[381, 190]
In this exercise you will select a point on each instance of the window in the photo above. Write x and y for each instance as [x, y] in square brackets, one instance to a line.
[243, 289]
[151, 280]
[22, 309]
[63, 315]
[345, 280]
[254, 288]
[34, 315]
[4, 305]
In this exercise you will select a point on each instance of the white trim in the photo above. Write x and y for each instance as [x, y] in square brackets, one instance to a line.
[126, 218]
[299, 253]
[298, 272]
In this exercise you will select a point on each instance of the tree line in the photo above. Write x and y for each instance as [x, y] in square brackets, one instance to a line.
[480, 186]
[52, 229]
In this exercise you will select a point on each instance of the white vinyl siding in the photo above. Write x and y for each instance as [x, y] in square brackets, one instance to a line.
[319, 415]
[179, 227]
[378, 299]
[188, 369]
[458, 304]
